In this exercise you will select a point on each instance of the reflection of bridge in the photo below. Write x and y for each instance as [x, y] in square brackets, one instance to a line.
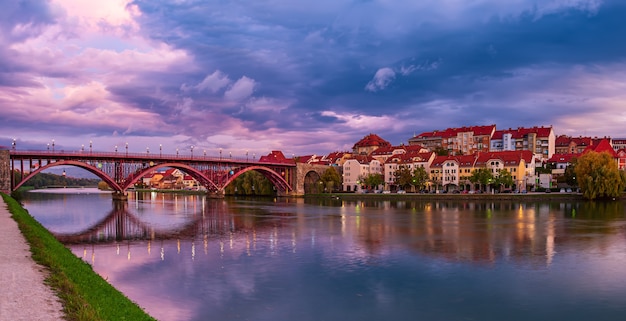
[121, 225]
[121, 170]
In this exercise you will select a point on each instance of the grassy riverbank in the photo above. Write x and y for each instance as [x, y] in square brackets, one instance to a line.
[84, 294]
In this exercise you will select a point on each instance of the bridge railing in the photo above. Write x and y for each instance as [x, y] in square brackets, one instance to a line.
[52, 154]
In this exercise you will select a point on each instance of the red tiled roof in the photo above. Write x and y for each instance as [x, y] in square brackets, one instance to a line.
[562, 158]
[602, 146]
[276, 156]
[371, 140]
[520, 132]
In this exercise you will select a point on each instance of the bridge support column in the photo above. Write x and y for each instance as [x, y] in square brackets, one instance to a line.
[5, 172]
[120, 196]
[217, 194]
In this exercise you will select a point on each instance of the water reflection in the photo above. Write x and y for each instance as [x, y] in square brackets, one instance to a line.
[192, 258]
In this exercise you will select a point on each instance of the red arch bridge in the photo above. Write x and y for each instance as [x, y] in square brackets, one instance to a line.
[122, 170]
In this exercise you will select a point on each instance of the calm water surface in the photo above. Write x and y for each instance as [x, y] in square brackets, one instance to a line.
[185, 257]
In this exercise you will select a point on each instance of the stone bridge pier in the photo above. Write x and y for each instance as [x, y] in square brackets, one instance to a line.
[5, 171]
[307, 178]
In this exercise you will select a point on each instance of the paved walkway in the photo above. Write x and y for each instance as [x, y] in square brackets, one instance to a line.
[23, 294]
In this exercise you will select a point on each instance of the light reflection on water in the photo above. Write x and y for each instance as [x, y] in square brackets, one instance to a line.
[185, 257]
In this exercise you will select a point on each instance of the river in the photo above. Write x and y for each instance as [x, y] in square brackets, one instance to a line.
[187, 257]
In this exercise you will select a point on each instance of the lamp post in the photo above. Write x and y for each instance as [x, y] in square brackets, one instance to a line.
[230, 155]
[115, 149]
[53, 145]
[48, 146]
[191, 151]
[246, 155]
[177, 152]
[126, 149]
[160, 150]
[90, 146]
[147, 150]
[220, 154]
[13, 144]
[82, 148]
[204, 153]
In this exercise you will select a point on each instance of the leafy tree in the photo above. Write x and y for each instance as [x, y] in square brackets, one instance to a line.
[403, 177]
[598, 176]
[504, 179]
[570, 173]
[440, 151]
[251, 183]
[373, 180]
[420, 177]
[331, 179]
[482, 176]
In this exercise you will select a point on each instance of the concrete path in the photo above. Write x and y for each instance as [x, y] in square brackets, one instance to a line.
[23, 294]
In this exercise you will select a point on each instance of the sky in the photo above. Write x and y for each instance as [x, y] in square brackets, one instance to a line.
[303, 77]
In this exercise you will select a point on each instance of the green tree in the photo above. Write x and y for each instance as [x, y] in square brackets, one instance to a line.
[570, 173]
[440, 151]
[373, 180]
[598, 176]
[420, 177]
[504, 179]
[482, 176]
[403, 177]
[331, 179]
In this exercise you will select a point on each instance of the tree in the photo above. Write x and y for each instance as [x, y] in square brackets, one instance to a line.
[598, 176]
[373, 180]
[420, 177]
[331, 179]
[482, 176]
[440, 151]
[504, 179]
[403, 177]
[570, 173]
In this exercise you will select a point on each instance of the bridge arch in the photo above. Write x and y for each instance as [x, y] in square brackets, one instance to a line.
[92, 169]
[275, 178]
[196, 174]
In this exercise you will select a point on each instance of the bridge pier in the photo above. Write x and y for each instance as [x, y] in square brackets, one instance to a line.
[120, 196]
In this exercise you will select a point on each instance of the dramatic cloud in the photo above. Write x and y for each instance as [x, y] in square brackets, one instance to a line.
[304, 78]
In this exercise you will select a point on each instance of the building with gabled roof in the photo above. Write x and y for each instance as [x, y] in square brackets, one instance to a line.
[368, 144]
[356, 169]
[409, 160]
[276, 157]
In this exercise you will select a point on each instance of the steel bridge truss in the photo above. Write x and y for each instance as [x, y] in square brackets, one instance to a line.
[123, 170]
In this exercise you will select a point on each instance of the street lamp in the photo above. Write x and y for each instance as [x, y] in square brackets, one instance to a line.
[191, 151]
[82, 148]
[246, 155]
[115, 149]
[48, 146]
[126, 149]
[204, 153]
[53, 145]
[13, 144]
[90, 146]
[147, 150]
[220, 154]
[230, 155]
[160, 150]
[176, 152]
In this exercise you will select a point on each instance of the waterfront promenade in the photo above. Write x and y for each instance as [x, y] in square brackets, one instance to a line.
[24, 296]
